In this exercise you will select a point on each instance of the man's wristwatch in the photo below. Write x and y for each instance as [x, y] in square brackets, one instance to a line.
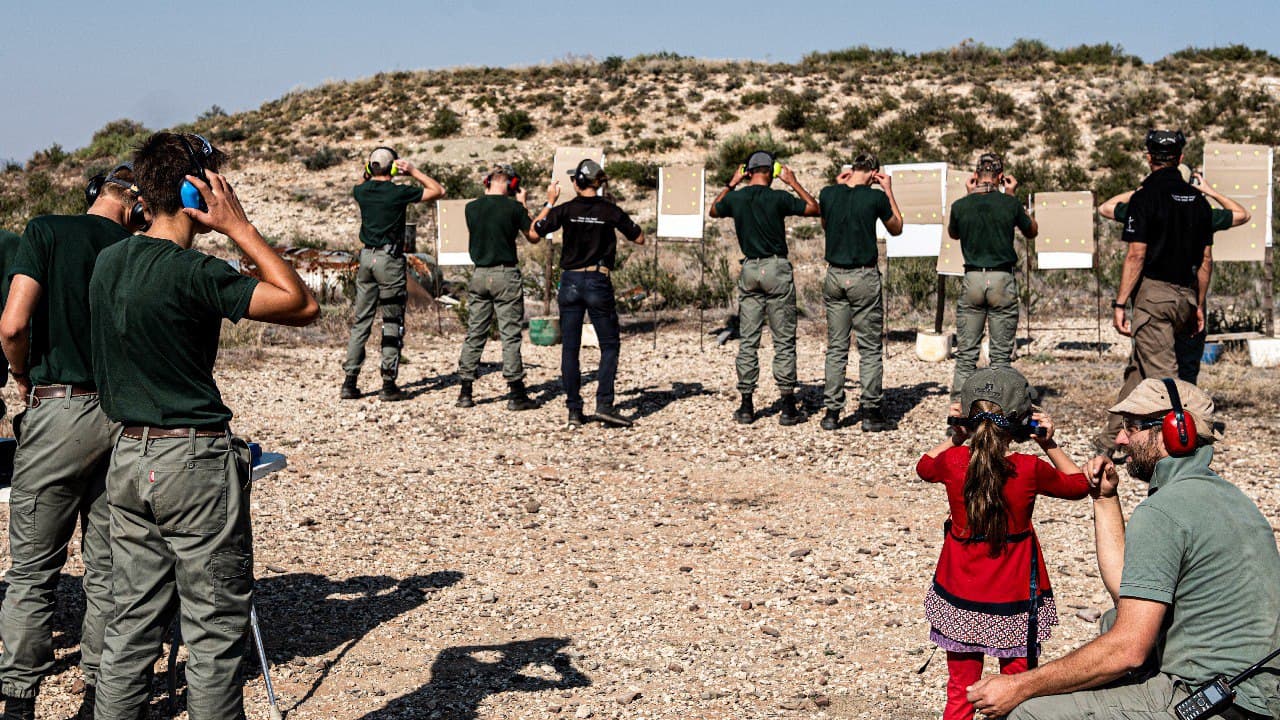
[1119, 305]
[547, 204]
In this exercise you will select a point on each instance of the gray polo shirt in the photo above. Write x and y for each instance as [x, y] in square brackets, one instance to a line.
[1200, 546]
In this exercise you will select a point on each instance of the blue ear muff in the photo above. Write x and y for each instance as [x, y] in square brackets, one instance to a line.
[191, 197]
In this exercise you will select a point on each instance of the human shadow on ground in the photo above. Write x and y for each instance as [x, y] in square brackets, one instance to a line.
[441, 381]
[463, 677]
[642, 402]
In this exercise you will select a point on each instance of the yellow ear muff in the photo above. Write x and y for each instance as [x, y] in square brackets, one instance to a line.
[777, 168]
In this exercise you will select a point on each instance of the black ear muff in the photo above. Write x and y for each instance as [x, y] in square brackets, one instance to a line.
[93, 188]
[1178, 428]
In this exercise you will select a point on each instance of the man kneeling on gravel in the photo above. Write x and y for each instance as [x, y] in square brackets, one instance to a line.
[1195, 577]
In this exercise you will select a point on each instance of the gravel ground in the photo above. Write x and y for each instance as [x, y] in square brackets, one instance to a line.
[421, 561]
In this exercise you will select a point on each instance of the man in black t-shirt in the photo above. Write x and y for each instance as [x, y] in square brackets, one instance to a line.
[1166, 272]
[494, 221]
[590, 224]
[380, 281]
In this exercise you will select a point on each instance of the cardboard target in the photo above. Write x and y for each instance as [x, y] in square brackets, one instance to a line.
[920, 192]
[1066, 223]
[681, 201]
[1244, 174]
[950, 258]
[453, 242]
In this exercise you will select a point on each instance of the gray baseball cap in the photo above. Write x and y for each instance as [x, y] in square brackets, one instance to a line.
[1005, 387]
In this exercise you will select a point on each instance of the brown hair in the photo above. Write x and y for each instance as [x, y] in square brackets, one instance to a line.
[984, 481]
[162, 162]
[120, 193]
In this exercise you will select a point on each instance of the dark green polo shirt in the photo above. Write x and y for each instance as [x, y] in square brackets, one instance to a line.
[494, 221]
[382, 205]
[984, 224]
[1222, 219]
[157, 315]
[759, 215]
[1200, 546]
[849, 215]
[58, 252]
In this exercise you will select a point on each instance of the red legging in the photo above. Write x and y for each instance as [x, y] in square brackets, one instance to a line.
[964, 669]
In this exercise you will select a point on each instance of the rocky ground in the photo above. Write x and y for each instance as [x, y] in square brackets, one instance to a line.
[421, 561]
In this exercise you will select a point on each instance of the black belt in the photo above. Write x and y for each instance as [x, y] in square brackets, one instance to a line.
[838, 266]
[1007, 267]
[591, 268]
[1009, 538]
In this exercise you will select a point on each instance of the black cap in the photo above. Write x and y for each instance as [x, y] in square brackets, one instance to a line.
[1166, 143]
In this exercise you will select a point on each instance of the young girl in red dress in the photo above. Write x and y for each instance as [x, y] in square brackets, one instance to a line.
[980, 600]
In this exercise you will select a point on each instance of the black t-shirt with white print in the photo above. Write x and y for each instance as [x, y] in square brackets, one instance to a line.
[589, 225]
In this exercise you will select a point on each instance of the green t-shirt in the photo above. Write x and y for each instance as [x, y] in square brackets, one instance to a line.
[984, 224]
[8, 249]
[157, 314]
[1222, 219]
[58, 252]
[382, 205]
[493, 222]
[850, 214]
[759, 214]
[1200, 546]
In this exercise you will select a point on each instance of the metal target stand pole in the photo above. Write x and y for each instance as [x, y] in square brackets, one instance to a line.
[702, 293]
[653, 299]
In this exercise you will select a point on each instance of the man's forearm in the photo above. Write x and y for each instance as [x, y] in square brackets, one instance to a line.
[1203, 276]
[17, 349]
[1129, 275]
[1097, 663]
[1108, 530]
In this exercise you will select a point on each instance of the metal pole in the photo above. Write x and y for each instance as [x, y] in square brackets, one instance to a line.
[1268, 292]
[942, 302]
[702, 291]
[653, 300]
[1097, 300]
[546, 289]
[266, 668]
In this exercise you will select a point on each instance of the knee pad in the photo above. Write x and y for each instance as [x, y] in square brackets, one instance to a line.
[393, 333]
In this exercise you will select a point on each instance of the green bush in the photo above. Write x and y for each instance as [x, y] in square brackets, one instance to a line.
[116, 139]
[325, 157]
[794, 114]
[515, 124]
[734, 151]
[596, 125]
[444, 123]
[641, 175]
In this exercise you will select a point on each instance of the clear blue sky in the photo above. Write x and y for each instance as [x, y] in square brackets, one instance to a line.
[67, 67]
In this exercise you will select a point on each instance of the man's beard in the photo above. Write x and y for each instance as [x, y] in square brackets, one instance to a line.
[1143, 458]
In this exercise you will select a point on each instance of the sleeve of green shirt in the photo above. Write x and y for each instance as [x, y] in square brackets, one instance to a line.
[724, 208]
[218, 287]
[409, 194]
[953, 228]
[1023, 219]
[32, 258]
[794, 205]
[523, 221]
[1122, 212]
[1222, 219]
[884, 209]
[1153, 549]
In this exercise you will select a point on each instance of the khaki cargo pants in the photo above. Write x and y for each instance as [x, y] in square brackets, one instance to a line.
[1162, 322]
[766, 291]
[60, 467]
[494, 291]
[380, 283]
[854, 304]
[988, 300]
[182, 543]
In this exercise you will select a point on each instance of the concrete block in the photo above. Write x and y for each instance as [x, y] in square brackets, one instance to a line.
[1264, 352]
[933, 347]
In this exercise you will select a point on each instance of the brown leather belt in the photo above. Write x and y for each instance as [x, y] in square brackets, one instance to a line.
[591, 268]
[135, 432]
[49, 392]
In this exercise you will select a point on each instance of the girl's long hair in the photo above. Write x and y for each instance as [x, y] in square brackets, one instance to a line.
[984, 481]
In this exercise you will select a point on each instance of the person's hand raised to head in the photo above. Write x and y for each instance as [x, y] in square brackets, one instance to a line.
[225, 214]
[553, 192]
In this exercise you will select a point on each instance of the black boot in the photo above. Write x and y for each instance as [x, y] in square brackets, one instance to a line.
[19, 708]
[86, 705]
[391, 392]
[349, 389]
[746, 412]
[576, 419]
[873, 420]
[831, 420]
[464, 396]
[518, 399]
[790, 413]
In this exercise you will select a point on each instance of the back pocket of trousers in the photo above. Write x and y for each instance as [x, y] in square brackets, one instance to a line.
[189, 498]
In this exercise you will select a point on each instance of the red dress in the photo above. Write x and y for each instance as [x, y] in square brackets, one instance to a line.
[978, 603]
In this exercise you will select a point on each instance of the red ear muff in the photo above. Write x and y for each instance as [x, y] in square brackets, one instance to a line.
[1178, 428]
[513, 185]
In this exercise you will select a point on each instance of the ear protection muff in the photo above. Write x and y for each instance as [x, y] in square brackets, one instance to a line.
[137, 219]
[190, 193]
[1178, 428]
[582, 179]
[513, 180]
[777, 166]
[394, 157]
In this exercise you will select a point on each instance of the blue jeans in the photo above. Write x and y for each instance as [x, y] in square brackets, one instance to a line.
[582, 293]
